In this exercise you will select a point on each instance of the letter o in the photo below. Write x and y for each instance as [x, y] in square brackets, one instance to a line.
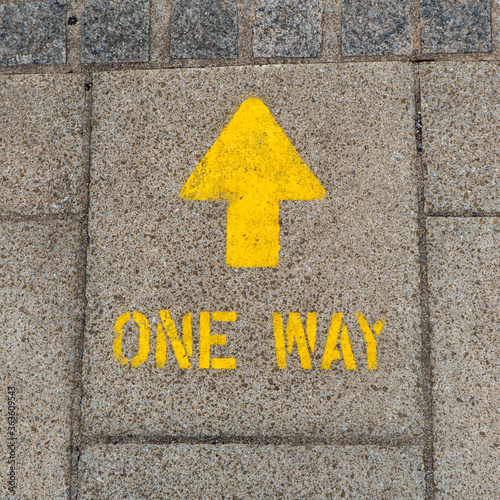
[142, 354]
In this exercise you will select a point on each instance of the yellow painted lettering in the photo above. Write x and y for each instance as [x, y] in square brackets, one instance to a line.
[345, 345]
[311, 329]
[294, 333]
[279, 340]
[142, 354]
[371, 342]
[187, 333]
[330, 352]
[207, 340]
[117, 344]
[167, 325]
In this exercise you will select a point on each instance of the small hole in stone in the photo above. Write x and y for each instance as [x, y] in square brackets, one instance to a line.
[72, 20]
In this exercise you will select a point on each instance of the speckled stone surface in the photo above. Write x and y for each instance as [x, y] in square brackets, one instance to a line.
[249, 471]
[33, 33]
[355, 251]
[461, 137]
[287, 28]
[456, 26]
[41, 169]
[376, 27]
[115, 31]
[39, 320]
[464, 280]
[201, 29]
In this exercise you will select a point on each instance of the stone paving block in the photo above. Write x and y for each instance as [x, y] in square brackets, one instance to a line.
[455, 26]
[41, 168]
[33, 33]
[376, 27]
[461, 136]
[289, 28]
[353, 252]
[464, 281]
[251, 471]
[40, 317]
[115, 31]
[201, 29]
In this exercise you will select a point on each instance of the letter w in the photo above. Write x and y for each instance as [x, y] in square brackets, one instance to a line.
[177, 346]
[294, 333]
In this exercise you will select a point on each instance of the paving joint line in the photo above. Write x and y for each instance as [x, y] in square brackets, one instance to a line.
[246, 17]
[426, 347]
[465, 214]
[77, 391]
[384, 441]
[416, 29]
[16, 217]
[84, 68]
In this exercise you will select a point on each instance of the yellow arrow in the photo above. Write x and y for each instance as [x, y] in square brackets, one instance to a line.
[252, 165]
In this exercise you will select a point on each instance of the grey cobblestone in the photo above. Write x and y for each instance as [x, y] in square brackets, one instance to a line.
[376, 27]
[33, 33]
[456, 26]
[204, 29]
[287, 28]
[115, 31]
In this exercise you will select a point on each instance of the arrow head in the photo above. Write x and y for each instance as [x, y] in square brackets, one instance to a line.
[252, 157]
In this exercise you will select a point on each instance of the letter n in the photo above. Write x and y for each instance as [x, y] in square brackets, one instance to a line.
[181, 351]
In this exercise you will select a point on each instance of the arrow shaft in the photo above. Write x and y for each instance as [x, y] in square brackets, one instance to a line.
[253, 232]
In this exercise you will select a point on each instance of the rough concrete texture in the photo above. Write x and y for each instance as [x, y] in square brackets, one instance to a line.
[203, 30]
[464, 280]
[290, 28]
[461, 137]
[40, 317]
[33, 33]
[376, 27]
[355, 251]
[115, 31]
[456, 26]
[243, 471]
[41, 168]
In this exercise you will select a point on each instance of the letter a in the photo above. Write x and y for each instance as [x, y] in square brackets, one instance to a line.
[330, 352]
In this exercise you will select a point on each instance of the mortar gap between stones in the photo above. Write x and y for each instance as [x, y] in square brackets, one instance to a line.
[426, 347]
[77, 392]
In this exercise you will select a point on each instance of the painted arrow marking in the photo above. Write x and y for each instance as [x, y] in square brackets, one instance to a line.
[252, 165]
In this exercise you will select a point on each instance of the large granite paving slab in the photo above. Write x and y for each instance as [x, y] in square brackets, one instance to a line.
[40, 317]
[251, 471]
[464, 278]
[461, 136]
[353, 252]
[41, 169]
